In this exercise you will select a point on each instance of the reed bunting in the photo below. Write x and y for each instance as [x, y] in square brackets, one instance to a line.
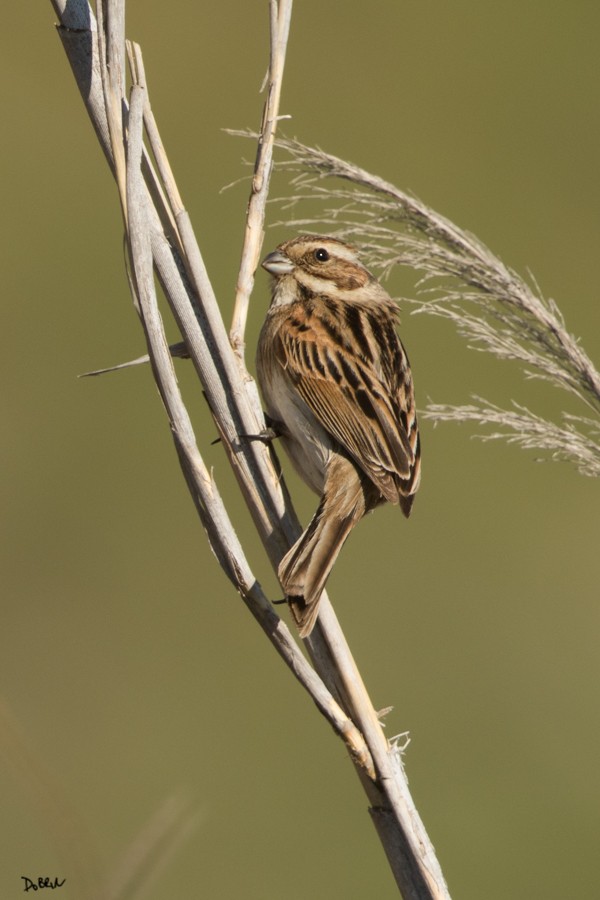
[338, 390]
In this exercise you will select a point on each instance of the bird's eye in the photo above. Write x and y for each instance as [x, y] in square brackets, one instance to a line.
[321, 254]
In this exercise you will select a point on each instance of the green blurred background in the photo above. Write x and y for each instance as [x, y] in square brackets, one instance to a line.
[131, 672]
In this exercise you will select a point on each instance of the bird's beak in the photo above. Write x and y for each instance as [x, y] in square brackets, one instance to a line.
[277, 263]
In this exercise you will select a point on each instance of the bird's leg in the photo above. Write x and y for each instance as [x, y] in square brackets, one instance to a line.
[272, 431]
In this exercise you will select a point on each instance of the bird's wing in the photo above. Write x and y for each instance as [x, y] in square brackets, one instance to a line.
[368, 409]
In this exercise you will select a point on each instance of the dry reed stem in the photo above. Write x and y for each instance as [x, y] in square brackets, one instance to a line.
[160, 239]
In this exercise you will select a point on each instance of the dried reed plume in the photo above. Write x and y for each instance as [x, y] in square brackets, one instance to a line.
[490, 305]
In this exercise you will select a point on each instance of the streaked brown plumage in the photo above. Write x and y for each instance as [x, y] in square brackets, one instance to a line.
[337, 384]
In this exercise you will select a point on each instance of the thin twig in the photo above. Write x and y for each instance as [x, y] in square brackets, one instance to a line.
[254, 232]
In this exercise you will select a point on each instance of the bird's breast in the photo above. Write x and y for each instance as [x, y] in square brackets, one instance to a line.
[304, 439]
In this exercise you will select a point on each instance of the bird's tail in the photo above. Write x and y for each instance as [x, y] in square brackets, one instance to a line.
[303, 571]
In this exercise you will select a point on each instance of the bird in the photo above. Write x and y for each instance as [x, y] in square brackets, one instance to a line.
[338, 390]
